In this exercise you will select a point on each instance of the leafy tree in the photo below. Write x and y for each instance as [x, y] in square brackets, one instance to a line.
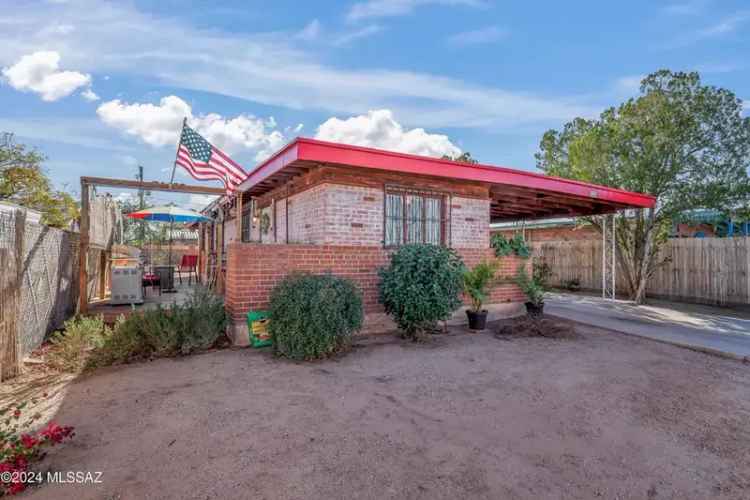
[23, 182]
[682, 141]
[463, 157]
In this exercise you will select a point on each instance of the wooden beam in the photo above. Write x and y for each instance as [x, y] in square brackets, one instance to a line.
[238, 217]
[151, 186]
[83, 251]
[220, 254]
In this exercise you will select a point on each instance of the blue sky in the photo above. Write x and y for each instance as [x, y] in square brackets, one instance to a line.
[100, 87]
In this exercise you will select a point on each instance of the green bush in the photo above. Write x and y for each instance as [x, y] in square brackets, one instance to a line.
[194, 325]
[70, 347]
[515, 245]
[421, 286]
[313, 316]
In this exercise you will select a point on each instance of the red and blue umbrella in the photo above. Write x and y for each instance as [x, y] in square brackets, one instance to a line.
[168, 214]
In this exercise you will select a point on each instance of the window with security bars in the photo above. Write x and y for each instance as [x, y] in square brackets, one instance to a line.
[413, 217]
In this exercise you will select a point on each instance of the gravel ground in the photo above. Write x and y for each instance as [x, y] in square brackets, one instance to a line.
[466, 416]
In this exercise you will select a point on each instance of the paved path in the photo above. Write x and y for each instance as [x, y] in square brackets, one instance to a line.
[706, 329]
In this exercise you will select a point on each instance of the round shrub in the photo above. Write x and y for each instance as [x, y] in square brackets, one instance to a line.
[421, 286]
[313, 316]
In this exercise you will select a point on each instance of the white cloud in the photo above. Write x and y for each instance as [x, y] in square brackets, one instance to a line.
[726, 25]
[350, 36]
[198, 202]
[310, 32]
[390, 8]
[269, 68]
[629, 85]
[90, 95]
[160, 125]
[155, 124]
[479, 36]
[241, 132]
[39, 72]
[722, 28]
[379, 129]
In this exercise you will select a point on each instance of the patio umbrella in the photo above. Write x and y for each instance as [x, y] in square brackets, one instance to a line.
[169, 214]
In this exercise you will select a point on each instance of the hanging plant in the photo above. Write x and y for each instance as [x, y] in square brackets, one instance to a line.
[506, 246]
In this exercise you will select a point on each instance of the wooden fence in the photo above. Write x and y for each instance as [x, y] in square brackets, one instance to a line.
[702, 270]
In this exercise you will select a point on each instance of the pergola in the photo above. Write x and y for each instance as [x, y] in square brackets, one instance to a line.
[86, 183]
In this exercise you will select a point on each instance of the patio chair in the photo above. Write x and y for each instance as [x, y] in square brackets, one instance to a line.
[152, 280]
[189, 263]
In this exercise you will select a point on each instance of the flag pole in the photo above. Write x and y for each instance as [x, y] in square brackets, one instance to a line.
[174, 166]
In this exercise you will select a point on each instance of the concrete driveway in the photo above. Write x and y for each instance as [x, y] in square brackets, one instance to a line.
[709, 329]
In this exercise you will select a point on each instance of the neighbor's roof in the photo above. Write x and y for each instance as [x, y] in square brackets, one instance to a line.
[516, 194]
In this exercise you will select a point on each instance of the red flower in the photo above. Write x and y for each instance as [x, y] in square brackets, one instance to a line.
[17, 413]
[29, 441]
[16, 487]
[55, 433]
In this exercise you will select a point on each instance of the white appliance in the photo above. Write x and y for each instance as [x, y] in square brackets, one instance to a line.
[127, 285]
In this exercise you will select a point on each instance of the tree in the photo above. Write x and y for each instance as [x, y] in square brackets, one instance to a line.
[23, 182]
[682, 141]
[463, 157]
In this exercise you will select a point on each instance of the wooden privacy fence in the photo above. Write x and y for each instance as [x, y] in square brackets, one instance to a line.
[703, 270]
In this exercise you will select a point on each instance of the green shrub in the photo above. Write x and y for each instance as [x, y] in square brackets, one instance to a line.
[313, 316]
[195, 325]
[70, 347]
[515, 245]
[476, 281]
[421, 286]
[530, 285]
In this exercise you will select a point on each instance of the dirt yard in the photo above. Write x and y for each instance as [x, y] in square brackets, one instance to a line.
[467, 416]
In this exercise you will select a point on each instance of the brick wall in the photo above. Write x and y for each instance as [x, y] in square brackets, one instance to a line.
[470, 222]
[254, 269]
[337, 214]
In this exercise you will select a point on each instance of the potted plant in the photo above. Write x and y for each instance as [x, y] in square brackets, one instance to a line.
[476, 281]
[533, 287]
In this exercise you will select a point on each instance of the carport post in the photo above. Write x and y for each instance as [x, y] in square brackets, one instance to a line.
[604, 257]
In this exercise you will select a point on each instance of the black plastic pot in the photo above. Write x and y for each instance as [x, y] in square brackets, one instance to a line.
[477, 320]
[534, 310]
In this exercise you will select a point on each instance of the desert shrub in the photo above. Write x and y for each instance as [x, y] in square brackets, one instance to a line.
[313, 316]
[515, 245]
[195, 325]
[20, 447]
[421, 286]
[476, 281]
[70, 347]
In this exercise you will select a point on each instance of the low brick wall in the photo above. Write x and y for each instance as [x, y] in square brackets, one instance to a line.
[254, 269]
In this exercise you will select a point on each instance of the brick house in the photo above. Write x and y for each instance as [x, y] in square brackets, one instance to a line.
[318, 206]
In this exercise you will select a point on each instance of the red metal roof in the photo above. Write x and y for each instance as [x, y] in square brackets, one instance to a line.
[515, 194]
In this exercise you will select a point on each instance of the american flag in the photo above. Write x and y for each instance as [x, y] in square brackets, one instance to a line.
[206, 162]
